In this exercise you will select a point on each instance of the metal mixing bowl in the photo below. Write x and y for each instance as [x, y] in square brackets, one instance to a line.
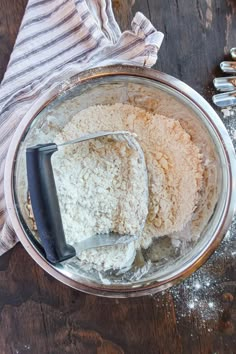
[153, 91]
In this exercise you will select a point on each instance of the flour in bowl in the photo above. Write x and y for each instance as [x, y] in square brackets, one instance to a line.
[101, 187]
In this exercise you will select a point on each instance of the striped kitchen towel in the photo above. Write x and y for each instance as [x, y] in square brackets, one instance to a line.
[59, 38]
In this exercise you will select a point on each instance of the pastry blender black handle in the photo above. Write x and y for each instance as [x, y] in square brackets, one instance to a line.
[45, 204]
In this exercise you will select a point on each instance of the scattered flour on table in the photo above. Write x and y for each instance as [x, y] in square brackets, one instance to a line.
[101, 187]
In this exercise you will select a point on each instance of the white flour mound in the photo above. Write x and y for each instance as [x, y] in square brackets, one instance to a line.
[101, 187]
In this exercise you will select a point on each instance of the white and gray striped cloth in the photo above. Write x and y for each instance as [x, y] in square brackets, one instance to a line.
[57, 39]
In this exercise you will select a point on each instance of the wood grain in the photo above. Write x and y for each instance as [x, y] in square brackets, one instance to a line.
[39, 315]
[11, 13]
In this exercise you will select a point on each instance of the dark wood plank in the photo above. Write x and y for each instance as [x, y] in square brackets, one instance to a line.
[11, 12]
[197, 37]
[40, 315]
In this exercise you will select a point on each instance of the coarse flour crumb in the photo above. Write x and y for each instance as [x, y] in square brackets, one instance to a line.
[101, 187]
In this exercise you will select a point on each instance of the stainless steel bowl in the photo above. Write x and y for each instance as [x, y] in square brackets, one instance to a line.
[153, 91]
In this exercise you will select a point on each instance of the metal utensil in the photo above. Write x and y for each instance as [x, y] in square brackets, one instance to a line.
[226, 99]
[228, 66]
[225, 84]
[45, 203]
[233, 53]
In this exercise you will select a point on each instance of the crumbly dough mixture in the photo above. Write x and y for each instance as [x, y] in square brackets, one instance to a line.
[101, 187]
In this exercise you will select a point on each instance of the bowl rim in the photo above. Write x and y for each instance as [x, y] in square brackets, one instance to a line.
[101, 72]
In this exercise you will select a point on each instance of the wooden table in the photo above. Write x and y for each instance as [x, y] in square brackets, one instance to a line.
[39, 315]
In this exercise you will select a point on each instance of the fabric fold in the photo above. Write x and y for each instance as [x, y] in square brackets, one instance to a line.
[56, 40]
